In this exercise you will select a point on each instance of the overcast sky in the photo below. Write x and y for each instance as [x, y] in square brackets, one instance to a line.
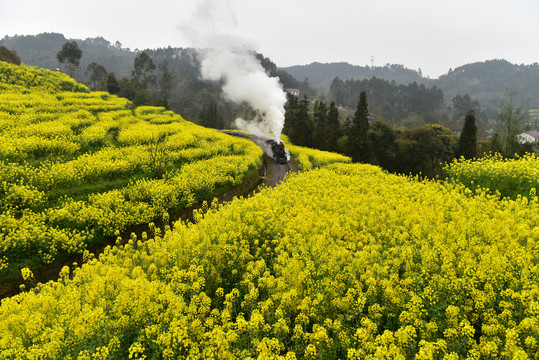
[433, 35]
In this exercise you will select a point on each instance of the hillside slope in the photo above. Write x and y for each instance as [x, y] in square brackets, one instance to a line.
[188, 94]
[488, 81]
[40, 50]
[321, 75]
[485, 81]
[77, 167]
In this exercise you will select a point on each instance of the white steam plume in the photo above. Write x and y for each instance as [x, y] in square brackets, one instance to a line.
[231, 60]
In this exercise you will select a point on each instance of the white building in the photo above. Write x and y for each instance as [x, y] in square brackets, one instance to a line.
[529, 137]
[293, 91]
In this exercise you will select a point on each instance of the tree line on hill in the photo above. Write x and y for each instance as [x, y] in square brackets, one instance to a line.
[488, 81]
[165, 77]
[41, 50]
[320, 76]
[406, 128]
[419, 150]
[485, 82]
[413, 102]
[408, 105]
[422, 149]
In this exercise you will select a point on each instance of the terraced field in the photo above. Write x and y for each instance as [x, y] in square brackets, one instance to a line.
[77, 167]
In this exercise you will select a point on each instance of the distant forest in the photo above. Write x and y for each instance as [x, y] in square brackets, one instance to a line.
[485, 82]
[400, 96]
[409, 105]
[174, 68]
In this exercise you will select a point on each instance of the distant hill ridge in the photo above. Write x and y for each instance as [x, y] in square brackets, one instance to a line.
[485, 81]
[320, 75]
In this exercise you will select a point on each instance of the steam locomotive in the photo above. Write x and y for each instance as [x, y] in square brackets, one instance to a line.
[278, 151]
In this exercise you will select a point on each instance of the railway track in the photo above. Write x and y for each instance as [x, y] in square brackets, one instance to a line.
[274, 172]
[283, 170]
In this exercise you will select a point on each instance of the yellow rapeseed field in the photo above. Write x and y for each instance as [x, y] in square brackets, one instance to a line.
[308, 159]
[76, 166]
[503, 177]
[341, 262]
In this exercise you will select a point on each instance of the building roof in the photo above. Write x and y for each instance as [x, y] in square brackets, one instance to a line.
[533, 133]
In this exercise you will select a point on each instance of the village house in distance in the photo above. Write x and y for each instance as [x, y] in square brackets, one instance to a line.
[529, 137]
[293, 91]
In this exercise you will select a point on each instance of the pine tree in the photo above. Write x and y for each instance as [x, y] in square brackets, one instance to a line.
[303, 129]
[358, 141]
[334, 127]
[113, 85]
[320, 140]
[298, 123]
[291, 109]
[467, 146]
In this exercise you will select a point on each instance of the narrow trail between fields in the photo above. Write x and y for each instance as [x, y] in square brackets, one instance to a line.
[269, 175]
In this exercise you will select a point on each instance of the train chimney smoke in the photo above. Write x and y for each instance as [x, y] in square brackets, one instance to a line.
[231, 60]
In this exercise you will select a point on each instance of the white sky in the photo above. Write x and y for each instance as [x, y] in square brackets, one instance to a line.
[433, 35]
